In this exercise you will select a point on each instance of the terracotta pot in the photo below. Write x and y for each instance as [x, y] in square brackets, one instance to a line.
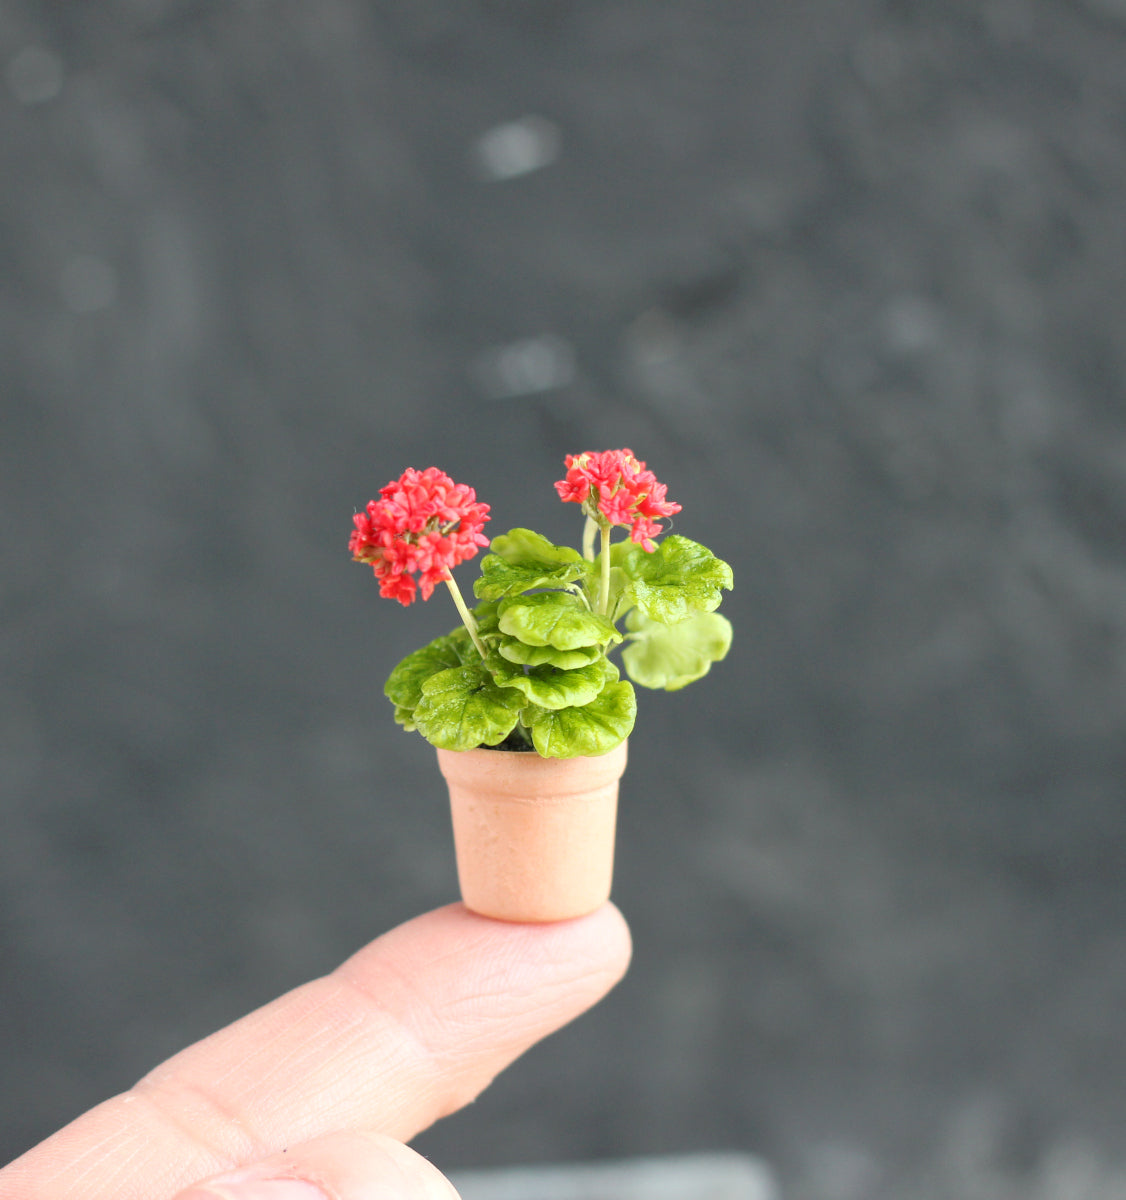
[534, 836]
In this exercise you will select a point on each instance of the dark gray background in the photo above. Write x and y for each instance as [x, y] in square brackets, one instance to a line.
[850, 277]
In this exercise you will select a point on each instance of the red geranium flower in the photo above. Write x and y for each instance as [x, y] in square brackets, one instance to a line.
[423, 524]
[613, 486]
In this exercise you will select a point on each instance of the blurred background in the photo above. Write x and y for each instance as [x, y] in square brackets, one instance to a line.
[850, 277]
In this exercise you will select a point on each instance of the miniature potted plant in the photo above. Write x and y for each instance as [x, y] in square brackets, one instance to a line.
[528, 713]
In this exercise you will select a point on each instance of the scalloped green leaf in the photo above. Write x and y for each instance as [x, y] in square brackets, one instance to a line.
[527, 546]
[499, 578]
[404, 685]
[679, 578]
[672, 656]
[554, 619]
[462, 707]
[522, 560]
[537, 656]
[595, 728]
[548, 686]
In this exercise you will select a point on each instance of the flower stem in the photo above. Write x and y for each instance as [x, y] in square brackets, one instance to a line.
[604, 582]
[590, 528]
[466, 616]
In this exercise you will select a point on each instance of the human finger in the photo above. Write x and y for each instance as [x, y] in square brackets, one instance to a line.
[357, 1165]
[408, 1030]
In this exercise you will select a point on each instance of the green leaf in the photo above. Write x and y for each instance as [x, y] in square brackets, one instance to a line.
[671, 656]
[522, 560]
[548, 686]
[536, 656]
[527, 546]
[619, 552]
[554, 619]
[621, 592]
[405, 717]
[680, 577]
[499, 578]
[595, 728]
[404, 685]
[462, 708]
[486, 617]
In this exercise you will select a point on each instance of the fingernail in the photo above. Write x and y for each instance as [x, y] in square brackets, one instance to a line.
[256, 1189]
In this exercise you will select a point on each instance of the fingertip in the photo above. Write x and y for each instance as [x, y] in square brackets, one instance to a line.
[602, 936]
[598, 945]
[619, 939]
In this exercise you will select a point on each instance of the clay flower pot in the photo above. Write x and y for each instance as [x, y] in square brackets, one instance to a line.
[534, 836]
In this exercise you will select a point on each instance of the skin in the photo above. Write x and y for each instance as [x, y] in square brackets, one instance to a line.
[313, 1096]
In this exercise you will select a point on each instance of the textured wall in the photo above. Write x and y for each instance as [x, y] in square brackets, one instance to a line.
[850, 276]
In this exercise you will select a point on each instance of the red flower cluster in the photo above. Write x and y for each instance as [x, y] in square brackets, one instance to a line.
[615, 485]
[422, 523]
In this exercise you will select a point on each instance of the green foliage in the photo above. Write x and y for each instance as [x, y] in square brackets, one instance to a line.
[525, 547]
[671, 656]
[517, 651]
[405, 717]
[523, 560]
[404, 685]
[486, 617]
[548, 686]
[592, 729]
[555, 619]
[462, 707]
[680, 577]
[545, 674]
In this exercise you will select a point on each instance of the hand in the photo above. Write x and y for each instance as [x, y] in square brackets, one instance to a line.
[312, 1096]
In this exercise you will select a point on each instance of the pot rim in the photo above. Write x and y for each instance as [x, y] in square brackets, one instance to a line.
[525, 773]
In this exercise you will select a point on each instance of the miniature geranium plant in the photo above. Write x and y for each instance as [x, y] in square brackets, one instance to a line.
[529, 667]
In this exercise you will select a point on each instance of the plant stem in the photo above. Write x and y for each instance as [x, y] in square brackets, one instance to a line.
[604, 582]
[466, 616]
[589, 530]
